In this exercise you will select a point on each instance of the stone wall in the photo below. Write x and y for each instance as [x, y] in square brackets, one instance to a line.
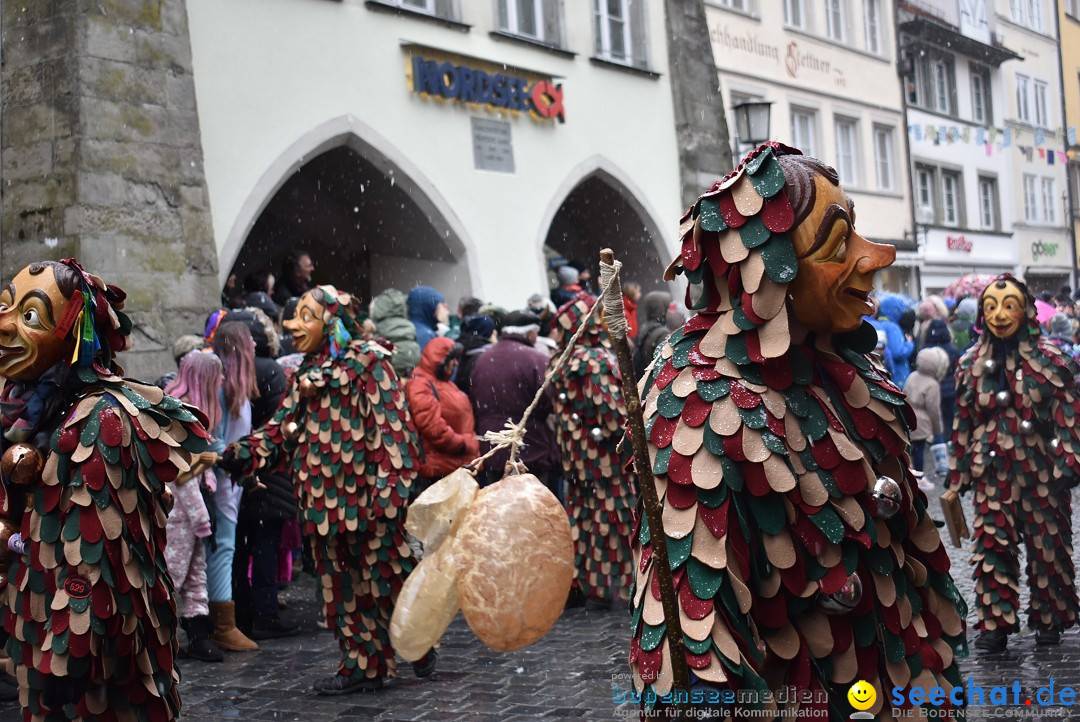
[700, 121]
[101, 158]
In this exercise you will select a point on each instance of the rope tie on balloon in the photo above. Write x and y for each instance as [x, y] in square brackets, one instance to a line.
[513, 435]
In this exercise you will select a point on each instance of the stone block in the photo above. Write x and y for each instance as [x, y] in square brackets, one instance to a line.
[174, 17]
[54, 191]
[163, 51]
[27, 12]
[27, 162]
[123, 82]
[194, 197]
[197, 226]
[20, 253]
[106, 39]
[137, 123]
[131, 222]
[32, 43]
[180, 90]
[32, 225]
[141, 14]
[111, 189]
[24, 85]
[36, 123]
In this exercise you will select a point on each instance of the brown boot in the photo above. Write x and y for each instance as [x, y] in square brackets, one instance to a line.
[225, 634]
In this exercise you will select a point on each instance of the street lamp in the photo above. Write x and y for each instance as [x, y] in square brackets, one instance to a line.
[752, 121]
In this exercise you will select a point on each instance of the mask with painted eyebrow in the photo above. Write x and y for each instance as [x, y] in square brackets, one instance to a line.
[28, 344]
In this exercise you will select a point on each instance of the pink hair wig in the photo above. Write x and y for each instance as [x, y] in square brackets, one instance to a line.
[198, 382]
[236, 349]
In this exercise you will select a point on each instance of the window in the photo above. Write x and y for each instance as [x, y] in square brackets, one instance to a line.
[793, 13]
[939, 78]
[1027, 13]
[834, 19]
[1072, 8]
[803, 131]
[950, 198]
[522, 17]
[620, 31]
[1023, 98]
[988, 203]
[883, 157]
[1048, 212]
[981, 106]
[925, 181]
[1031, 211]
[847, 154]
[1042, 116]
[872, 25]
[735, 4]
[934, 84]
[424, 6]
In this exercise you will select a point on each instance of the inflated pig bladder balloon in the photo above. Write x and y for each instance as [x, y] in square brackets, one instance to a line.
[432, 513]
[425, 605]
[515, 561]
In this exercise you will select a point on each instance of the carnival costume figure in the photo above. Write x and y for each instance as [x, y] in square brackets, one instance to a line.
[91, 617]
[589, 412]
[344, 426]
[1016, 445]
[802, 554]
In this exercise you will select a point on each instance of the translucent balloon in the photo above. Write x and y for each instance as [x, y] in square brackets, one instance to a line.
[516, 562]
[425, 606]
[431, 514]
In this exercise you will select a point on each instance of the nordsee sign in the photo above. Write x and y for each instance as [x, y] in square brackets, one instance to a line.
[443, 79]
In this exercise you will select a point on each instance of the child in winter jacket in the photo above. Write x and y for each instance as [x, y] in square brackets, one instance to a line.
[924, 394]
[197, 382]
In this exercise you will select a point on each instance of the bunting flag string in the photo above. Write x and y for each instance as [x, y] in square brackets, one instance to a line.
[995, 140]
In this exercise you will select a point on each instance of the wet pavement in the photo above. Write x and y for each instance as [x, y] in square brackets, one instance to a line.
[568, 675]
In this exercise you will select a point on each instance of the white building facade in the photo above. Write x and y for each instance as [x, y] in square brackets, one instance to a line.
[1039, 178]
[829, 69]
[454, 143]
[988, 167]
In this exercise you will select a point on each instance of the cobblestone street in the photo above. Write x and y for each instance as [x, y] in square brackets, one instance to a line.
[567, 675]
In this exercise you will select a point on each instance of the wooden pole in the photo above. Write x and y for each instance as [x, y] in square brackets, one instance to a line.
[635, 422]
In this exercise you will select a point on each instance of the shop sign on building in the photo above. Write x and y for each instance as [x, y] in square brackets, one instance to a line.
[470, 80]
[1045, 252]
[959, 243]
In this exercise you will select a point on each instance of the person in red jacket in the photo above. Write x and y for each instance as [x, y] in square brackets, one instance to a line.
[441, 411]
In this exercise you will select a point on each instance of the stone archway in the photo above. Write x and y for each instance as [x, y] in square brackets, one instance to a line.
[600, 208]
[368, 218]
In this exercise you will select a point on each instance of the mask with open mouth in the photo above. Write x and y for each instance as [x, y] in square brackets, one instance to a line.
[1003, 307]
[31, 307]
[831, 292]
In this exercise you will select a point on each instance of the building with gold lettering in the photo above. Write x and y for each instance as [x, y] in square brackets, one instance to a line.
[829, 70]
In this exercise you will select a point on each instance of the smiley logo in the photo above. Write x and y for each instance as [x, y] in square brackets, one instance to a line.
[862, 695]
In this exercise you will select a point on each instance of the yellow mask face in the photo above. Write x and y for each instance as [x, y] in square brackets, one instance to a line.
[831, 292]
[30, 308]
[307, 326]
[1003, 307]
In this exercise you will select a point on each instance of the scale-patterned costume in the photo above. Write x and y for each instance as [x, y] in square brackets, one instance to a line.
[92, 598]
[344, 424]
[589, 413]
[1020, 453]
[766, 454]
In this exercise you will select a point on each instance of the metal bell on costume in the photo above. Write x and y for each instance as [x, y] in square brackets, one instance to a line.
[167, 499]
[887, 496]
[563, 398]
[575, 419]
[1026, 427]
[1055, 444]
[307, 388]
[990, 365]
[291, 431]
[844, 599]
[1002, 397]
[596, 434]
[21, 465]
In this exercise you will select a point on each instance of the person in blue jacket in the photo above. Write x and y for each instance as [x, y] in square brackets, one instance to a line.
[898, 345]
[427, 309]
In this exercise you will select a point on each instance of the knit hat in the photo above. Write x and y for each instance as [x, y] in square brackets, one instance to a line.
[568, 275]
[520, 323]
[967, 308]
[1060, 325]
[478, 324]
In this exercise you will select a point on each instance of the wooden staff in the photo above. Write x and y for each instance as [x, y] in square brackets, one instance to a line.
[616, 321]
